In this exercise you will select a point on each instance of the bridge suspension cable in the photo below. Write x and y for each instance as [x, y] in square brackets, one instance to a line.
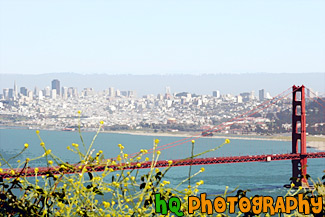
[222, 125]
[317, 97]
[314, 94]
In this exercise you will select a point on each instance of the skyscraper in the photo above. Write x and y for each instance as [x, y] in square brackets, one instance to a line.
[111, 92]
[56, 86]
[15, 89]
[11, 93]
[168, 93]
[216, 93]
[47, 91]
[64, 92]
[23, 91]
[261, 94]
[6, 93]
[168, 90]
[53, 94]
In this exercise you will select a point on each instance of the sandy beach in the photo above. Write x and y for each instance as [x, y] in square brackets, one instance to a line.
[317, 142]
[319, 145]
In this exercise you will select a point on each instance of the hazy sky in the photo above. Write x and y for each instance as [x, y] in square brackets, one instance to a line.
[148, 37]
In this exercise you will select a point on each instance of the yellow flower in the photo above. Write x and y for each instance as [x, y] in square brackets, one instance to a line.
[156, 141]
[158, 152]
[138, 165]
[48, 152]
[50, 162]
[292, 185]
[106, 204]
[37, 132]
[1, 170]
[125, 155]
[42, 144]
[202, 169]
[227, 141]
[36, 170]
[118, 158]
[27, 160]
[147, 159]
[101, 122]
[300, 187]
[193, 141]
[170, 162]
[26, 145]
[79, 112]
[121, 146]
[12, 172]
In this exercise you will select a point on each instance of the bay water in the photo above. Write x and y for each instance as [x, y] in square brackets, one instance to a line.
[261, 178]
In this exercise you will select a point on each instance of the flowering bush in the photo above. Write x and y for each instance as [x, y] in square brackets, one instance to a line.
[115, 191]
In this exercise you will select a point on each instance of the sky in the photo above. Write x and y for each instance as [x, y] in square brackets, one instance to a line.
[162, 36]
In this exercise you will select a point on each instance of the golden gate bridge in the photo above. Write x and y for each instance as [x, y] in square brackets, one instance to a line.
[298, 155]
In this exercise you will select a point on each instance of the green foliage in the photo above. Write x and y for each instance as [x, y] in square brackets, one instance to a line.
[87, 193]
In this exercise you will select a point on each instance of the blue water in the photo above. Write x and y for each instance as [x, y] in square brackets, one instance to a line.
[261, 178]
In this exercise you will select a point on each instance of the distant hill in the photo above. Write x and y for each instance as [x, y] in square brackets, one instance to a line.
[199, 84]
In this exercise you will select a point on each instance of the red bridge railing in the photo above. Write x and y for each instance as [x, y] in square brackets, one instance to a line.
[162, 163]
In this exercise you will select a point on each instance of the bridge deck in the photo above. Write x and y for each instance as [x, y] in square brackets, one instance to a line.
[164, 163]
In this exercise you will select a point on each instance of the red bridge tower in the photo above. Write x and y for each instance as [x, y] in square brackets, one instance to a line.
[299, 167]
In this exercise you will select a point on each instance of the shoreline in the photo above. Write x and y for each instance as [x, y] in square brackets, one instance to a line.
[317, 142]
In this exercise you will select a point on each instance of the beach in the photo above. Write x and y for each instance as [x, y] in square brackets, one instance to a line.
[317, 142]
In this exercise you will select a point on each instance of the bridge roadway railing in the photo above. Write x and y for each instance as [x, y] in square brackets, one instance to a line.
[20, 172]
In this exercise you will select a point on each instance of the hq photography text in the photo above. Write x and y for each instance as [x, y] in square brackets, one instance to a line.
[256, 205]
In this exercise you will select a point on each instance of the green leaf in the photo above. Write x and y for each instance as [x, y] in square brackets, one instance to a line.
[142, 185]
[97, 191]
[90, 175]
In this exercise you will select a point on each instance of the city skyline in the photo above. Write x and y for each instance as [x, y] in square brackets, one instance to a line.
[66, 92]
[154, 84]
[169, 111]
